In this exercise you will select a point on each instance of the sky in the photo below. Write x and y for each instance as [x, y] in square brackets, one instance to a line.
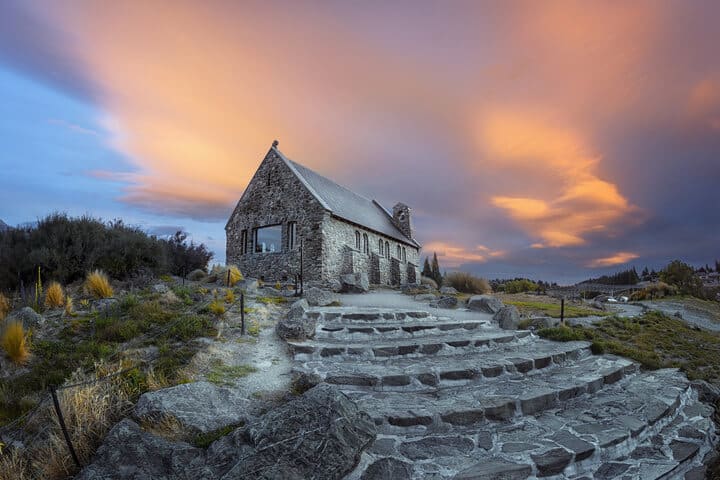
[552, 140]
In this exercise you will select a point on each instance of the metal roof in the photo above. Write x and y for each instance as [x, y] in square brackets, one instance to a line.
[346, 204]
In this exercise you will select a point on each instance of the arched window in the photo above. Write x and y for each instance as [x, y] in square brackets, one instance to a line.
[399, 257]
[387, 250]
[404, 254]
[366, 245]
[357, 240]
[381, 247]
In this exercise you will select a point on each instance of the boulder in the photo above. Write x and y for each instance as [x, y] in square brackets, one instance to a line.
[335, 285]
[104, 304]
[197, 275]
[29, 318]
[447, 302]
[319, 297]
[543, 322]
[303, 381]
[129, 453]
[296, 325]
[200, 407]
[160, 288]
[319, 435]
[249, 285]
[448, 291]
[485, 303]
[508, 317]
[355, 283]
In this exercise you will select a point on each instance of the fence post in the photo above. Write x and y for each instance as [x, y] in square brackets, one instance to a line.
[562, 311]
[228, 278]
[242, 313]
[74, 456]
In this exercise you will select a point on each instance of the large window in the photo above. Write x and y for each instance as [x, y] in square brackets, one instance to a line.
[357, 240]
[404, 253]
[387, 250]
[398, 253]
[268, 239]
[292, 235]
[381, 247]
[366, 244]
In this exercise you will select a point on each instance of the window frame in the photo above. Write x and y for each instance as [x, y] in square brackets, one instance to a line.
[243, 241]
[255, 238]
[291, 235]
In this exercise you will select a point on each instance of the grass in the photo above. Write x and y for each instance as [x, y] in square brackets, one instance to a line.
[253, 328]
[271, 300]
[14, 342]
[204, 440]
[221, 374]
[553, 309]
[69, 306]
[97, 284]
[654, 340]
[229, 296]
[217, 308]
[54, 296]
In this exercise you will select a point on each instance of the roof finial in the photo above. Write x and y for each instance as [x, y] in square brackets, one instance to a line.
[275, 143]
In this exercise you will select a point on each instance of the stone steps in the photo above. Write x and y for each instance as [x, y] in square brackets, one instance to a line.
[462, 399]
[420, 373]
[499, 398]
[630, 429]
[399, 347]
[409, 329]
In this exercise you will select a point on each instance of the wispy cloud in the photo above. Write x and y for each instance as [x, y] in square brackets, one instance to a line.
[619, 258]
[74, 127]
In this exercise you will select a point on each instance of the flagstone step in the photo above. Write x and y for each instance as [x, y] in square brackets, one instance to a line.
[499, 398]
[399, 347]
[420, 373]
[353, 330]
[358, 314]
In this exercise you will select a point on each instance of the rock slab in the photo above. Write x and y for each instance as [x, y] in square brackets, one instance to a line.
[508, 317]
[354, 283]
[485, 303]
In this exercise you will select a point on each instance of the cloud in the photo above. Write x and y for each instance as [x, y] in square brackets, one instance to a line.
[73, 127]
[453, 255]
[619, 258]
[574, 200]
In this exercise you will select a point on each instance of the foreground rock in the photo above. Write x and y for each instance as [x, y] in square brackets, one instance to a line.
[319, 435]
[354, 283]
[485, 303]
[296, 325]
[318, 297]
[200, 407]
[508, 317]
[29, 318]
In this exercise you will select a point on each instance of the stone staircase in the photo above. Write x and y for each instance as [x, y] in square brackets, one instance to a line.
[463, 399]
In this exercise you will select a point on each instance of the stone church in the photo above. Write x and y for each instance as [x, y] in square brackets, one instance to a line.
[287, 205]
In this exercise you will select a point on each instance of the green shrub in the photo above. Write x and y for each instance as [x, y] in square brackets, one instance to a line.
[466, 283]
[520, 286]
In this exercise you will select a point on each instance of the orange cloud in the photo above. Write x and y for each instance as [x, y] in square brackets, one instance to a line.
[574, 202]
[452, 255]
[616, 259]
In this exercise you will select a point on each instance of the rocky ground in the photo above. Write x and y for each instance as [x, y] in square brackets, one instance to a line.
[382, 385]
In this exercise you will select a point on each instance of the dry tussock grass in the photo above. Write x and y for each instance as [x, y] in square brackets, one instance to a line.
[54, 296]
[90, 411]
[97, 284]
[14, 342]
[466, 283]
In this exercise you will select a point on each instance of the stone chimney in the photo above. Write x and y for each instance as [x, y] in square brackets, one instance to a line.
[401, 217]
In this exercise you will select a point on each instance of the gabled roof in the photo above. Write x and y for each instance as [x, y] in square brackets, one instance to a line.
[346, 204]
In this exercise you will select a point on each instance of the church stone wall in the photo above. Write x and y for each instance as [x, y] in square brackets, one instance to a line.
[276, 196]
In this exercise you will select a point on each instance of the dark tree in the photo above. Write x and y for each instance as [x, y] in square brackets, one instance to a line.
[436, 275]
[426, 271]
[682, 276]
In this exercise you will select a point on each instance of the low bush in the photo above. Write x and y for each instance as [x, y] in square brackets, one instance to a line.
[54, 296]
[466, 283]
[217, 308]
[14, 342]
[97, 284]
[653, 291]
[520, 286]
[4, 306]
[221, 274]
[428, 281]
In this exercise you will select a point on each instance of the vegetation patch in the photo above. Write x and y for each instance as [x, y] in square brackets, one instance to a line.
[204, 440]
[221, 374]
[272, 300]
[549, 309]
[654, 340]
